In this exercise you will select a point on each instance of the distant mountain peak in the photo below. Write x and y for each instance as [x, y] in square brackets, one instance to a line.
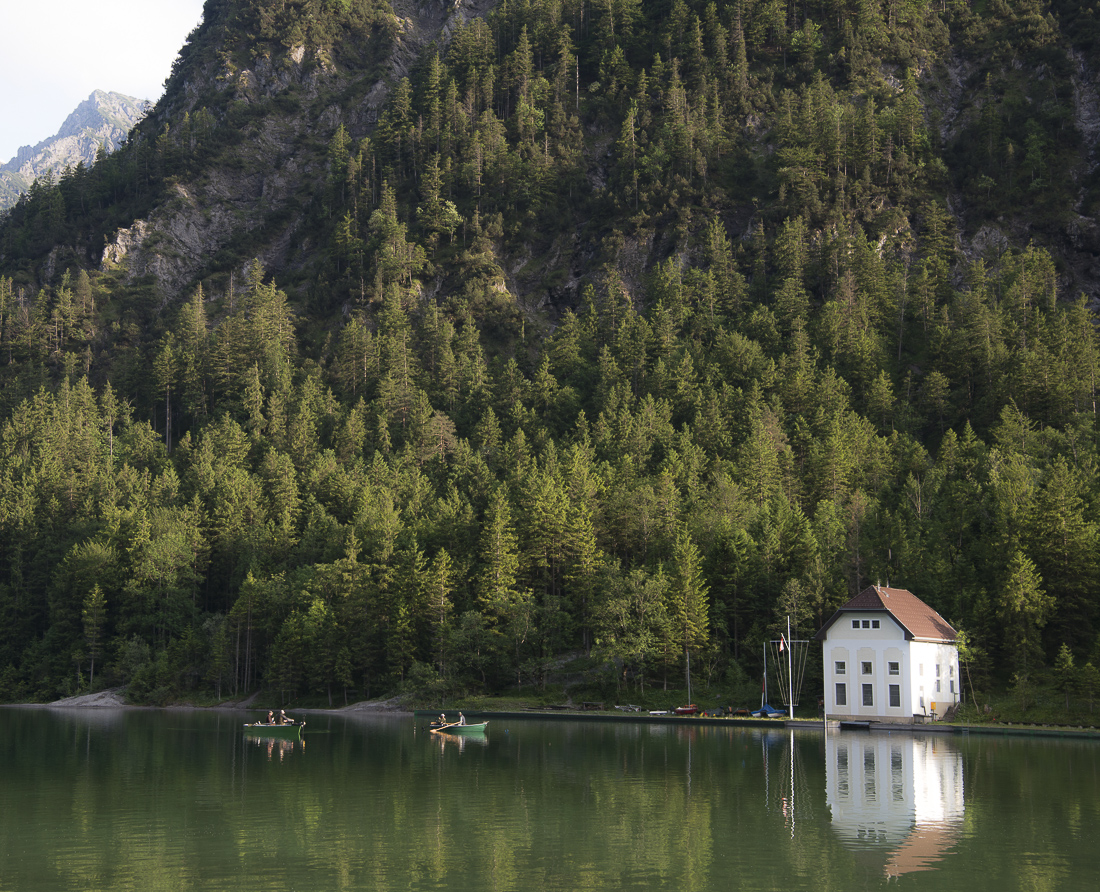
[103, 119]
[115, 108]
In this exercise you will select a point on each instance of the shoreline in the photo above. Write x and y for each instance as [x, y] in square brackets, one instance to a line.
[113, 699]
[806, 724]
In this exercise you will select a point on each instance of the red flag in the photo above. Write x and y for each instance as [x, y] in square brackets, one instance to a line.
[782, 642]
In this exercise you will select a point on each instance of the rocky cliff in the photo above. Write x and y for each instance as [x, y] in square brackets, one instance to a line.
[291, 100]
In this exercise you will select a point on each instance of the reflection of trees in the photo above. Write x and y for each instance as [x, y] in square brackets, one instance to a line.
[363, 807]
[547, 805]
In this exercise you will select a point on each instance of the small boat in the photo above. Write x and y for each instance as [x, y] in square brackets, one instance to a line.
[767, 711]
[456, 728]
[690, 709]
[292, 730]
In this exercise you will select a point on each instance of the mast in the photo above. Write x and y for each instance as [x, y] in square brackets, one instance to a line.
[764, 690]
[790, 674]
[688, 653]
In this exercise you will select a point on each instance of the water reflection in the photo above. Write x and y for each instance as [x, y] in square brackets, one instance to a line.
[100, 719]
[458, 741]
[177, 799]
[277, 747]
[787, 791]
[895, 797]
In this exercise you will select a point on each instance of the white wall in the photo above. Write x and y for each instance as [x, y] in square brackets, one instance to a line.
[925, 657]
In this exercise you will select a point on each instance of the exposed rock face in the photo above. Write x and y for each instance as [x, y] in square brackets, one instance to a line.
[263, 175]
[253, 180]
[103, 119]
[125, 239]
[110, 699]
[1086, 105]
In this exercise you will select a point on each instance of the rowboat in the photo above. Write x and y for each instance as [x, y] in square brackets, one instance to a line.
[855, 726]
[456, 728]
[285, 732]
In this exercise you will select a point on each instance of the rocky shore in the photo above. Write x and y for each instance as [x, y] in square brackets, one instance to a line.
[115, 698]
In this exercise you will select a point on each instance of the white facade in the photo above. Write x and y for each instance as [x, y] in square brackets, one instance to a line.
[873, 672]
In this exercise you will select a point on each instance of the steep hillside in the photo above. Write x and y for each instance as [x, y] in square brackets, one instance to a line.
[251, 196]
[100, 122]
[424, 345]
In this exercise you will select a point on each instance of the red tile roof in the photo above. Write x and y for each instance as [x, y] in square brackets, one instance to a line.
[910, 612]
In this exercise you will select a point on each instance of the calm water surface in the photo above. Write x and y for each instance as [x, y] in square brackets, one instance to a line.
[105, 799]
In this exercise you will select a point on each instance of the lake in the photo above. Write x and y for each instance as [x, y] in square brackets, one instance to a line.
[173, 799]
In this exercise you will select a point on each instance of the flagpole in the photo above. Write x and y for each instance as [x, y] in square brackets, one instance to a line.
[790, 672]
[790, 711]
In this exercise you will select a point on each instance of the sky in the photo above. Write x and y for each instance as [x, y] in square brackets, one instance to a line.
[55, 53]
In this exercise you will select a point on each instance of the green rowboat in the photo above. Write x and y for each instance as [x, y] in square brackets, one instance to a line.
[456, 728]
[283, 732]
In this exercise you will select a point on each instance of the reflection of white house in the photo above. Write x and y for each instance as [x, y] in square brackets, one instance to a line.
[888, 657]
[900, 797]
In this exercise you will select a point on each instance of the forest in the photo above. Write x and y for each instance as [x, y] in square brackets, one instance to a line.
[621, 332]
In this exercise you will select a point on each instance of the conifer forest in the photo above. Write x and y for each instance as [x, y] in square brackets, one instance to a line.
[459, 348]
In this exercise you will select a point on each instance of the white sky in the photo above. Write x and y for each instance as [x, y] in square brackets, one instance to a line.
[54, 53]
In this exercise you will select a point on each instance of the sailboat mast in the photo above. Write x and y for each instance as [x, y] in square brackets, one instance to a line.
[764, 690]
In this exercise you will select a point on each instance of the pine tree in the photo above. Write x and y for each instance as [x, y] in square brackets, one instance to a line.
[440, 586]
[94, 615]
[1025, 607]
[1065, 673]
[688, 601]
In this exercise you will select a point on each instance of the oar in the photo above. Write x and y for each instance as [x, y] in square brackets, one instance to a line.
[443, 727]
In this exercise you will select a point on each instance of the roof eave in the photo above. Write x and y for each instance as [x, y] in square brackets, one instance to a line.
[820, 636]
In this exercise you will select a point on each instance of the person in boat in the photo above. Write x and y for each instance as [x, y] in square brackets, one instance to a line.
[270, 717]
[283, 719]
[461, 719]
[442, 718]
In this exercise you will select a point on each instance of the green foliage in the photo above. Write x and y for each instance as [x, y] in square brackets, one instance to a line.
[766, 374]
[1065, 673]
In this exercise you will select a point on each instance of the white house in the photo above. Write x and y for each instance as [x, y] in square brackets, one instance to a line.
[888, 657]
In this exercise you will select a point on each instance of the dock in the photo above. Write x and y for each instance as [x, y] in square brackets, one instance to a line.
[810, 724]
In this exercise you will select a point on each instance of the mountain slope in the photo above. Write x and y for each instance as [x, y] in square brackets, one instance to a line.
[289, 102]
[426, 345]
